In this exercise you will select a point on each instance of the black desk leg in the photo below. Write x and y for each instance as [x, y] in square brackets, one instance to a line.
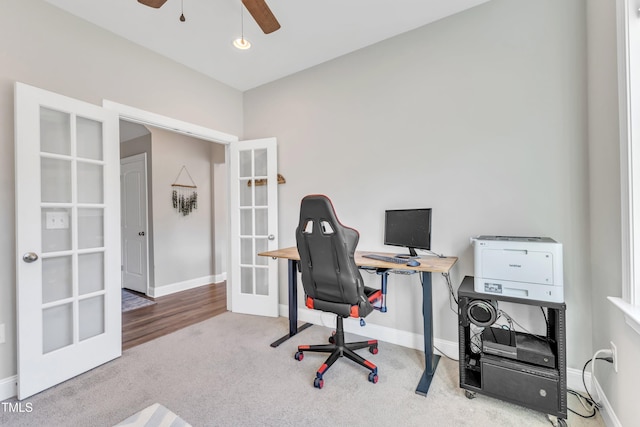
[430, 359]
[292, 271]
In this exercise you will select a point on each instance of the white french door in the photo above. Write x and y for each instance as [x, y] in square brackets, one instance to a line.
[67, 237]
[253, 196]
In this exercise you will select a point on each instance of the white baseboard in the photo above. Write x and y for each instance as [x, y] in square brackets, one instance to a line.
[162, 291]
[608, 415]
[8, 387]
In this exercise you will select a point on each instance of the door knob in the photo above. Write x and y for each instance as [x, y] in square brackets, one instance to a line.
[30, 257]
[141, 233]
[271, 237]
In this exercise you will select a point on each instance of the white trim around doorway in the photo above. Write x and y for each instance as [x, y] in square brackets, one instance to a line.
[143, 117]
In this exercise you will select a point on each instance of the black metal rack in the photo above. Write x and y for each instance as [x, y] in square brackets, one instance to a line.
[541, 388]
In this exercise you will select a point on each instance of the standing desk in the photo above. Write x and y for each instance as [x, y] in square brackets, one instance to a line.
[428, 265]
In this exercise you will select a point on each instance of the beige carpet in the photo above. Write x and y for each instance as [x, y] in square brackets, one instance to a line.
[222, 372]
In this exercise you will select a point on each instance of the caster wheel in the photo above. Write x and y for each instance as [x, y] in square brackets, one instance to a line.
[299, 356]
[557, 422]
[373, 349]
[332, 338]
[318, 383]
[373, 377]
[469, 394]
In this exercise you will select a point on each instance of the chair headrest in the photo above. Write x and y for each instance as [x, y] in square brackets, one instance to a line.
[318, 206]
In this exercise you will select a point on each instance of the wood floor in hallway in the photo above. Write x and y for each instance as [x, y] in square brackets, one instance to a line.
[173, 312]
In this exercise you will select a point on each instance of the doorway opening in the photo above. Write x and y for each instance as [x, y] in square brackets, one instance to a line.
[166, 250]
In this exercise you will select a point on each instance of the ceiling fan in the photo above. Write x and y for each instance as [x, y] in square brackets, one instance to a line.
[257, 8]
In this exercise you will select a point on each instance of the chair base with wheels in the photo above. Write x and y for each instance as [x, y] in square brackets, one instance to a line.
[338, 348]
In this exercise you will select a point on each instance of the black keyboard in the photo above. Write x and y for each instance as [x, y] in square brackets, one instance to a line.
[392, 259]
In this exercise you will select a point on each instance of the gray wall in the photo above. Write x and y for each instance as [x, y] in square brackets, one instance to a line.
[45, 47]
[480, 116]
[183, 245]
[604, 208]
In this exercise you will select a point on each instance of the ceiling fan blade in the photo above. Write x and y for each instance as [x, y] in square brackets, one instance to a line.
[262, 14]
[153, 3]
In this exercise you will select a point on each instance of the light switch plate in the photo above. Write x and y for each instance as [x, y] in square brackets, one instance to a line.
[57, 220]
[2, 337]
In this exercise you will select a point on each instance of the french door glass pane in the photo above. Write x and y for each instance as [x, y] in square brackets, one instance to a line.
[91, 321]
[261, 195]
[90, 183]
[246, 193]
[57, 327]
[246, 222]
[55, 180]
[55, 132]
[261, 246]
[246, 280]
[246, 251]
[90, 228]
[262, 223]
[89, 138]
[262, 281]
[261, 162]
[57, 280]
[245, 164]
[56, 229]
[90, 273]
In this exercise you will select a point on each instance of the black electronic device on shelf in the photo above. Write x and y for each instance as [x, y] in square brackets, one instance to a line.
[528, 348]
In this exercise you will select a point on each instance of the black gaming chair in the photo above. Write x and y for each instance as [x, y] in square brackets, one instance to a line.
[332, 281]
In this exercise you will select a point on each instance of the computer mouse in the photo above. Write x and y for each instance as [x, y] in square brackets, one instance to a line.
[413, 263]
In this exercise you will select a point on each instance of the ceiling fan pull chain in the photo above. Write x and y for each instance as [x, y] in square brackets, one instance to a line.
[182, 18]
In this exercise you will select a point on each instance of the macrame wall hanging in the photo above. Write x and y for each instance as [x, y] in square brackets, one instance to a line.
[184, 193]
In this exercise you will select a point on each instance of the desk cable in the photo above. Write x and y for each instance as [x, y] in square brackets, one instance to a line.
[589, 403]
[452, 295]
[430, 252]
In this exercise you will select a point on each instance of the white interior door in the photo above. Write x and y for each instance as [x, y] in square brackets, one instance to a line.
[67, 238]
[133, 196]
[253, 197]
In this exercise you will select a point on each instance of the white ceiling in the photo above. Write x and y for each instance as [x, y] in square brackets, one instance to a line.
[313, 31]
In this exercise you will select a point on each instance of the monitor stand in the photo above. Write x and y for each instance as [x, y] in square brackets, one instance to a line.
[412, 254]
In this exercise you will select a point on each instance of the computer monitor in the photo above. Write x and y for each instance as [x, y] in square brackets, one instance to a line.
[409, 228]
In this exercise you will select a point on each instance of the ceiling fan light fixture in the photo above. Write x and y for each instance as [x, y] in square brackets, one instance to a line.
[242, 43]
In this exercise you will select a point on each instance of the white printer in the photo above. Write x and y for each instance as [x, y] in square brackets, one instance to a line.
[523, 267]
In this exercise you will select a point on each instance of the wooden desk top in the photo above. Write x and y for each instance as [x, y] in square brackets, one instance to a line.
[431, 264]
